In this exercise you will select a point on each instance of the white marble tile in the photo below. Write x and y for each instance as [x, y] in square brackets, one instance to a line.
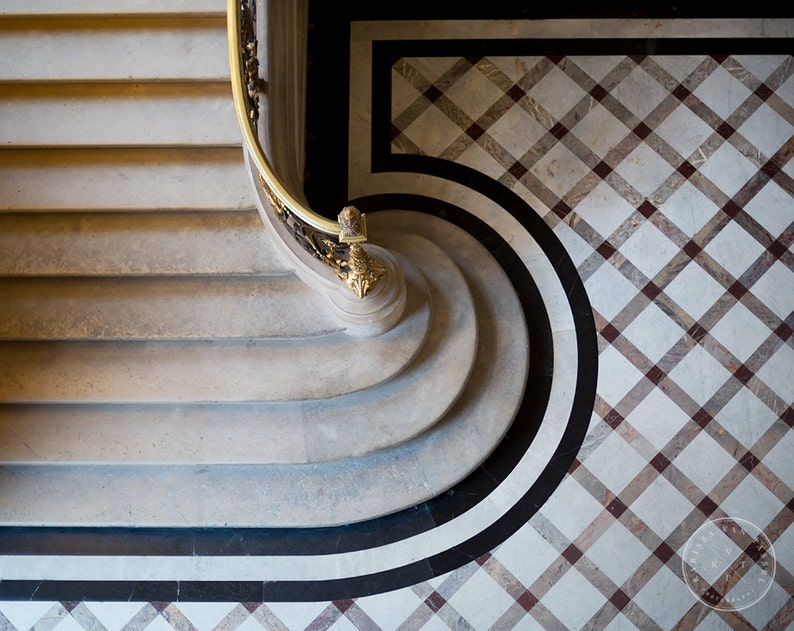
[433, 131]
[615, 462]
[559, 169]
[649, 249]
[746, 417]
[620, 623]
[571, 508]
[767, 130]
[695, 290]
[25, 615]
[661, 507]
[640, 93]
[575, 246]
[526, 555]
[665, 587]
[609, 291]
[618, 553]
[645, 170]
[699, 374]
[588, 600]
[389, 609]
[516, 131]
[761, 614]
[776, 289]
[604, 209]
[728, 169]
[684, 130]
[297, 615]
[481, 588]
[689, 209]
[722, 92]
[658, 418]
[653, 332]
[616, 376]
[772, 207]
[734, 248]
[753, 502]
[778, 373]
[557, 93]
[704, 462]
[762, 66]
[779, 460]
[600, 130]
[740, 331]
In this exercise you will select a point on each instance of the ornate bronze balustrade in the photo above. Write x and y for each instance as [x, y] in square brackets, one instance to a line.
[338, 244]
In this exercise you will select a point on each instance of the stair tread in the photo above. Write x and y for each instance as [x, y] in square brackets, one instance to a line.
[176, 48]
[165, 178]
[152, 308]
[108, 114]
[117, 243]
[127, 7]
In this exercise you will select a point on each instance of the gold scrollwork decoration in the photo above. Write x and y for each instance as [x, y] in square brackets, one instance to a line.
[254, 84]
[361, 272]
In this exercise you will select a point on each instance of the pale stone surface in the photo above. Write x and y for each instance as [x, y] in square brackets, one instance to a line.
[108, 114]
[225, 369]
[79, 179]
[413, 401]
[123, 7]
[128, 49]
[114, 243]
[311, 494]
[162, 308]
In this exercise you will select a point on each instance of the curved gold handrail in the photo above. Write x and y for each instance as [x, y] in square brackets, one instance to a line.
[250, 137]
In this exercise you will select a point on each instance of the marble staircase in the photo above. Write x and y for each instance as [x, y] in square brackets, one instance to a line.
[162, 363]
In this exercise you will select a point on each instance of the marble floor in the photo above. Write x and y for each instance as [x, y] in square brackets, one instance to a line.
[640, 173]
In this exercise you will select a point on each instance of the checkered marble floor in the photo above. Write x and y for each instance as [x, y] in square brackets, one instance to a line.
[668, 178]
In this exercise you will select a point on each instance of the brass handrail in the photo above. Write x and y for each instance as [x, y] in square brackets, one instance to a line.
[335, 243]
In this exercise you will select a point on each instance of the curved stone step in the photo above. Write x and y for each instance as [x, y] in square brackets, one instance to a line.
[119, 178]
[118, 114]
[116, 243]
[63, 47]
[205, 370]
[311, 494]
